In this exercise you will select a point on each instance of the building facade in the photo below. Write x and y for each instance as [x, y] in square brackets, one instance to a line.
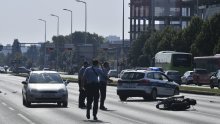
[160, 13]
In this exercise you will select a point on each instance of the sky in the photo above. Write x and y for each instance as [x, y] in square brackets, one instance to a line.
[19, 19]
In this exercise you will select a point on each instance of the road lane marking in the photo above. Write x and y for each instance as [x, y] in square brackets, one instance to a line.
[4, 104]
[11, 108]
[25, 118]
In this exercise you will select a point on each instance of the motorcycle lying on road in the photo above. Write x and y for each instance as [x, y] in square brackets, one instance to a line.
[176, 103]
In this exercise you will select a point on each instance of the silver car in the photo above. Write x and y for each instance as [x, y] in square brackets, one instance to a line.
[44, 87]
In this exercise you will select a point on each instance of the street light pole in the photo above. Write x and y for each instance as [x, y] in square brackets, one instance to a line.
[123, 40]
[45, 39]
[85, 16]
[71, 19]
[58, 23]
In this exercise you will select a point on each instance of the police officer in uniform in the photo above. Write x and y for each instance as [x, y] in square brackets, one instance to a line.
[103, 84]
[82, 93]
[91, 85]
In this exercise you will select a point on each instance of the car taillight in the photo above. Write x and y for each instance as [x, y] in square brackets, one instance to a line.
[143, 82]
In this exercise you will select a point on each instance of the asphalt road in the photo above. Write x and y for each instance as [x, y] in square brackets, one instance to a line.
[133, 111]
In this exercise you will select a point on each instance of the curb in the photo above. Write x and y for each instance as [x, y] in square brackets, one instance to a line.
[199, 93]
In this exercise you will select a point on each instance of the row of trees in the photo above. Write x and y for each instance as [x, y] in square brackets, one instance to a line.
[34, 57]
[201, 38]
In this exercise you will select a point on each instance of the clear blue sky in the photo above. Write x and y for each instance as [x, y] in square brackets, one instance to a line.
[19, 18]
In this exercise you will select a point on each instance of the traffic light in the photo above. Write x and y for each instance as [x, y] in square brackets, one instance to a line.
[1, 47]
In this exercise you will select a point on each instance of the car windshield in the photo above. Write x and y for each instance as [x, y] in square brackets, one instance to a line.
[132, 75]
[45, 78]
[201, 71]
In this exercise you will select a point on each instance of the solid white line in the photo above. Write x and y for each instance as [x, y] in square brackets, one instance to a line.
[25, 118]
[4, 104]
[11, 108]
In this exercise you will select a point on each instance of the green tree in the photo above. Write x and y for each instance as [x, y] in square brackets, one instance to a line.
[16, 52]
[137, 48]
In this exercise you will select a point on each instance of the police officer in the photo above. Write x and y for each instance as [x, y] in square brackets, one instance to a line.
[103, 83]
[91, 85]
[82, 93]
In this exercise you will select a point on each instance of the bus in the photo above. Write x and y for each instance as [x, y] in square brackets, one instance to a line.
[210, 63]
[171, 60]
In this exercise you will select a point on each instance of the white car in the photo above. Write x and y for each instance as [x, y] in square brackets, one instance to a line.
[44, 87]
[146, 84]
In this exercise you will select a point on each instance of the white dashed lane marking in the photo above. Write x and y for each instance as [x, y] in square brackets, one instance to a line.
[4, 104]
[25, 118]
[11, 108]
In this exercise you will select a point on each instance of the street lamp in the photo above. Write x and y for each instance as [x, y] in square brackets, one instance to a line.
[85, 16]
[71, 30]
[58, 21]
[45, 39]
[57, 35]
[71, 19]
[123, 40]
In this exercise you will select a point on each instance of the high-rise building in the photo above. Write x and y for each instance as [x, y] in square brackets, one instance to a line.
[160, 13]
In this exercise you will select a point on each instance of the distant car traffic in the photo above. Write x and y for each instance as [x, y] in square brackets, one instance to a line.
[44, 87]
[113, 73]
[187, 77]
[215, 80]
[2, 69]
[21, 70]
[201, 77]
[174, 75]
[146, 84]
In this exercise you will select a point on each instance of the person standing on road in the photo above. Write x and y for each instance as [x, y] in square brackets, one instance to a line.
[103, 84]
[82, 93]
[91, 85]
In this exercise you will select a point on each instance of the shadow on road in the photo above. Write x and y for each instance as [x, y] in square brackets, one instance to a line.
[95, 121]
[45, 106]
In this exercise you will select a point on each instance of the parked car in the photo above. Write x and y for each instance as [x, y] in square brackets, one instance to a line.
[201, 76]
[174, 75]
[122, 72]
[156, 69]
[21, 70]
[2, 69]
[44, 87]
[146, 84]
[187, 77]
[113, 73]
[215, 80]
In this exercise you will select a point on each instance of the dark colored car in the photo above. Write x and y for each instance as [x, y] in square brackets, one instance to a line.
[215, 80]
[174, 75]
[21, 70]
[201, 77]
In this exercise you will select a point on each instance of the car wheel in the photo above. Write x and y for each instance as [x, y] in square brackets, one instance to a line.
[65, 104]
[123, 98]
[153, 94]
[176, 91]
[28, 104]
[24, 102]
[199, 84]
[211, 85]
[59, 104]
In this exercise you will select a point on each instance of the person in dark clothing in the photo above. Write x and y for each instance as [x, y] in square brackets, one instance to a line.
[103, 84]
[82, 93]
[91, 85]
